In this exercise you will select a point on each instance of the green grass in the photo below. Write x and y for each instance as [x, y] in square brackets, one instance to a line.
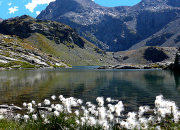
[6, 124]
[14, 63]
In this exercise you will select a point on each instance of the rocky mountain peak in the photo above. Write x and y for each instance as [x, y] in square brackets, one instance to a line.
[86, 3]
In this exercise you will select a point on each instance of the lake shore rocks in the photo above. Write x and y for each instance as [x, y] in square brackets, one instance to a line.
[158, 65]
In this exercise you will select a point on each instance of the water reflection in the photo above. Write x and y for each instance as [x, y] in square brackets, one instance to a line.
[133, 87]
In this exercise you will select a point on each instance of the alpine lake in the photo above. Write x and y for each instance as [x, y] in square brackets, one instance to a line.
[134, 87]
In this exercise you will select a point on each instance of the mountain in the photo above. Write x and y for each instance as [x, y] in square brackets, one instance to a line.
[115, 28]
[1, 20]
[56, 40]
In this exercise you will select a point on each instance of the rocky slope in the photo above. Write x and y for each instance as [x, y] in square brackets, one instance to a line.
[1, 20]
[16, 54]
[117, 28]
[147, 55]
[56, 40]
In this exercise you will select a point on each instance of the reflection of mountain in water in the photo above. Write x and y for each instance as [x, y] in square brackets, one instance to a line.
[133, 87]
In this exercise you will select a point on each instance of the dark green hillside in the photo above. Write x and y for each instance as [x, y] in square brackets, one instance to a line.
[56, 39]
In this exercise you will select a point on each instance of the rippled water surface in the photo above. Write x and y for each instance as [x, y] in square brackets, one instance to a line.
[133, 87]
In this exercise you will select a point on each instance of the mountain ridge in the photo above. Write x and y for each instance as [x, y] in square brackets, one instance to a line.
[113, 28]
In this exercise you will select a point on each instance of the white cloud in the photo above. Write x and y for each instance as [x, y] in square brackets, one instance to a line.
[1, 2]
[9, 4]
[31, 6]
[38, 12]
[12, 10]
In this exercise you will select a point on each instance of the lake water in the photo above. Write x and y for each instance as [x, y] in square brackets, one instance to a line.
[133, 87]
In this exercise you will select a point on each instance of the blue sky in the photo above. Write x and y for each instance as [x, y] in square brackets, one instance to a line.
[13, 8]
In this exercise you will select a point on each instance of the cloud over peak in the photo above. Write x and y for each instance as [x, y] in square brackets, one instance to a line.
[31, 6]
[9, 4]
[13, 9]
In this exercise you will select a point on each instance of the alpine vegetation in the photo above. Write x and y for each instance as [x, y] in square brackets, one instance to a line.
[107, 114]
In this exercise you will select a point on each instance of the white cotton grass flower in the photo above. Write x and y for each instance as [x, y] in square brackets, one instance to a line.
[143, 109]
[33, 102]
[56, 113]
[124, 124]
[43, 116]
[143, 122]
[1, 117]
[91, 121]
[77, 121]
[59, 107]
[86, 113]
[67, 106]
[89, 104]
[119, 108]
[52, 106]
[53, 97]
[79, 101]
[39, 104]
[120, 104]
[159, 100]
[26, 117]
[91, 110]
[77, 112]
[110, 117]
[96, 113]
[132, 115]
[102, 113]
[46, 121]
[29, 105]
[34, 116]
[61, 97]
[73, 101]
[162, 112]
[83, 108]
[108, 99]
[17, 117]
[151, 119]
[47, 102]
[31, 110]
[24, 104]
[83, 120]
[105, 126]
[49, 109]
[100, 101]
[109, 105]
[158, 128]
[112, 108]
